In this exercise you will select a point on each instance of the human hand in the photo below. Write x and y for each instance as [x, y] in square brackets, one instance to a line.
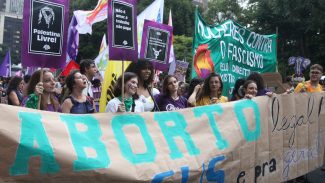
[197, 87]
[214, 100]
[39, 88]
[121, 108]
[270, 94]
[248, 96]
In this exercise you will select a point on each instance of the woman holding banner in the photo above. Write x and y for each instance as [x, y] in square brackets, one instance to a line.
[14, 91]
[209, 93]
[77, 102]
[144, 69]
[249, 89]
[44, 89]
[169, 99]
[130, 101]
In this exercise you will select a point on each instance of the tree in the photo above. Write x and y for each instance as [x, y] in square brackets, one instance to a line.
[300, 26]
[183, 51]
[221, 10]
[183, 16]
[182, 12]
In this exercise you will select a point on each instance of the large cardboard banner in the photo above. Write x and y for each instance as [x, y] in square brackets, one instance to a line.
[45, 26]
[231, 50]
[122, 30]
[261, 140]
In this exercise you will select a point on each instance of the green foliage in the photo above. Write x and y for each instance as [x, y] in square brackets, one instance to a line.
[183, 51]
[222, 10]
[182, 14]
[301, 28]
[89, 44]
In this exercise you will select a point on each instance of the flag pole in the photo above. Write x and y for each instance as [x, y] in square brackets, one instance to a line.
[276, 51]
[9, 64]
[122, 81]
[40, 96]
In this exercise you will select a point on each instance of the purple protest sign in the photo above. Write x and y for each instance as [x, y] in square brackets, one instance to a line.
[45, 26]
[122, 30]
[180, 70]
[156, 41]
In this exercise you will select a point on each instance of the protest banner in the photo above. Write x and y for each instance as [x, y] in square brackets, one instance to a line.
[180, 70]
[300, 65]
[122, 30]
[156, 41]
[260, 140]
[45, 26]
[231, 50]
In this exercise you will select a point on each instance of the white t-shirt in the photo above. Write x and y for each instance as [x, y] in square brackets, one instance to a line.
[148, 102]
[112, 105]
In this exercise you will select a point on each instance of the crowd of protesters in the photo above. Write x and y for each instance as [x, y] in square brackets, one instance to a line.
[79, 92]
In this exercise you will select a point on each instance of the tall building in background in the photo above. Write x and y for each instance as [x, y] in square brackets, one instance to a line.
[11, 13]
[2, 5]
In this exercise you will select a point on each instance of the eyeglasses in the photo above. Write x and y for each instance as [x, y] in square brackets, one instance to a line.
[315, 72]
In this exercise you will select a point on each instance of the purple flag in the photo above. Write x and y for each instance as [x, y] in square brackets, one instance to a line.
[156, 41]
[5, 65]
[73, 40]
[30, 70]
[45, 26]
[122, 30]
[300, 64]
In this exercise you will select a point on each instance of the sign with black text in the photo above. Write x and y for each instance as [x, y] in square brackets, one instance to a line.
[122, 30]
[44, 32]
[46, 28]
[156, 41]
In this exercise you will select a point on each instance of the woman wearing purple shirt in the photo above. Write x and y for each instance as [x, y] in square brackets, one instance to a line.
[169, 100]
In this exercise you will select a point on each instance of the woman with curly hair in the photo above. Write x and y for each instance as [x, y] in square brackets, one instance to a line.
[77, 102]
[144, 69]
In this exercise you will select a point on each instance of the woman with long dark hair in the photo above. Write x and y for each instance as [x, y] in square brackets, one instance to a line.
[77, 102]
[249, 89]
[44, 89]
[169, 99]
[144, 69]
[14, 91]
[209, 93]
[130, 102]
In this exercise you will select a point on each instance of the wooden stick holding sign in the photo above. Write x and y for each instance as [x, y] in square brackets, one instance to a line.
[40, 95]
[123, 82]
[122, 33]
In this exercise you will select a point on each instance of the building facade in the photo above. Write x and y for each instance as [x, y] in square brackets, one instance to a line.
[11, 13]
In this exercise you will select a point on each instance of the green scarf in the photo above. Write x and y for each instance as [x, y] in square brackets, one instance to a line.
[128, 103]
